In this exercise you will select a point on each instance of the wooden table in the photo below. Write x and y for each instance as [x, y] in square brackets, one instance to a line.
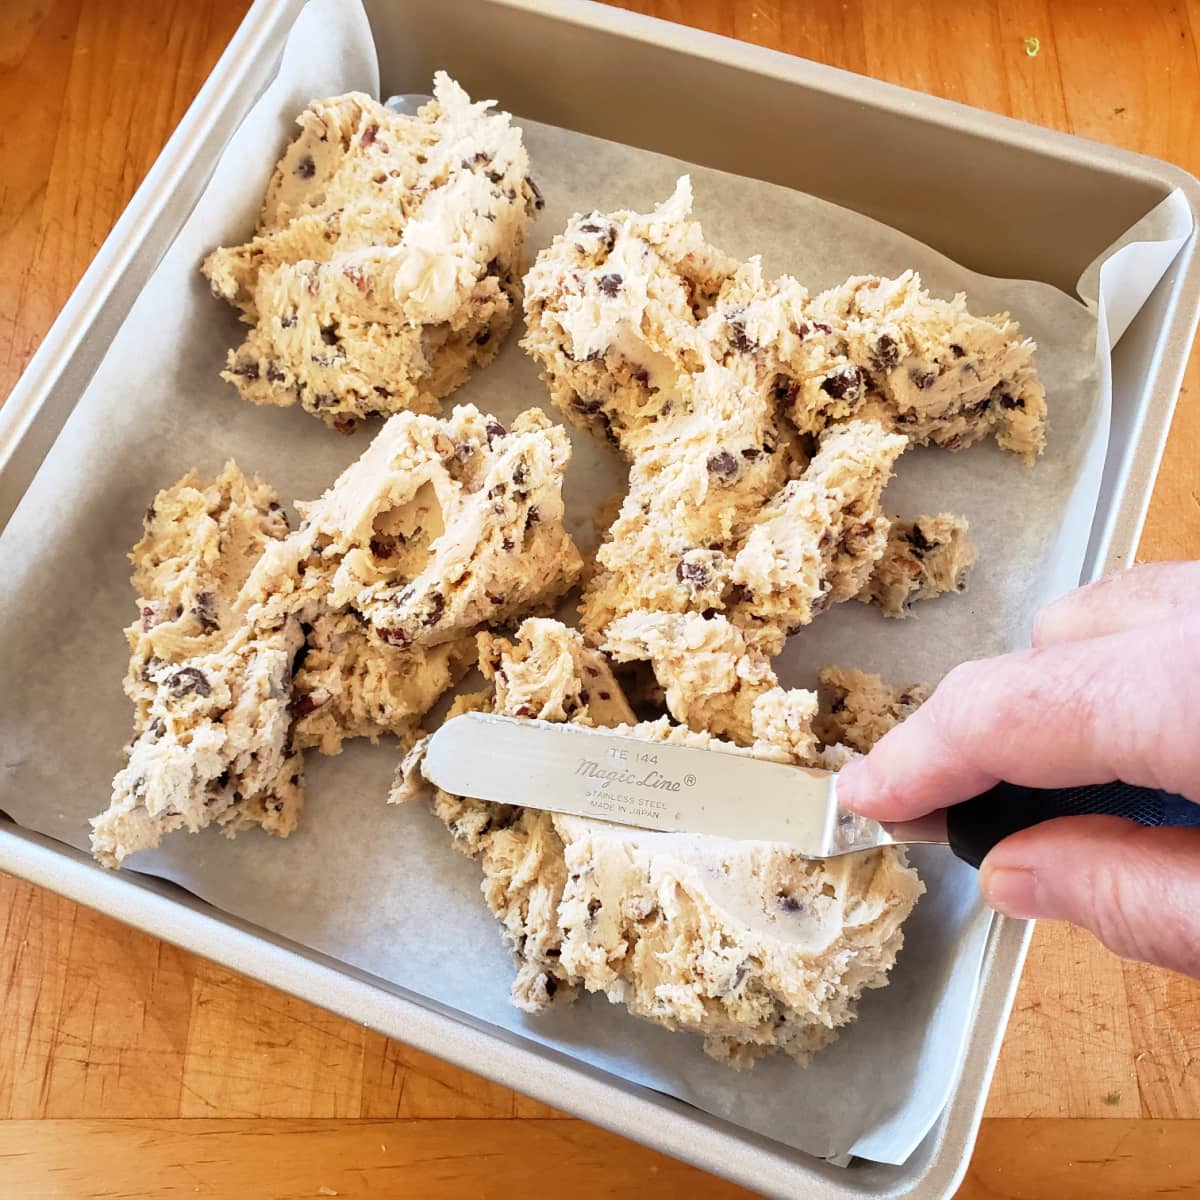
[129, 1068]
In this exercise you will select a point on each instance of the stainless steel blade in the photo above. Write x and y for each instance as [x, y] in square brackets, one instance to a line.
[649, 785]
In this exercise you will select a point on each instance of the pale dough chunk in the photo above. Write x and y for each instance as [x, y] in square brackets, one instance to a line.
[745, 944]
[923, 558]
[440, 526]
[350, 686]
[817, 540]
[716, 681]
[886, 349]
[387, 259]
[686, 359]
[211, 723]
[861, 708]
[613, 309]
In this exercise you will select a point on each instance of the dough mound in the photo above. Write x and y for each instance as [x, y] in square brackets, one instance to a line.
[387, 258]
[758, 450]
[922, 559]
[745, 944]
[211, 721]
[254, 642]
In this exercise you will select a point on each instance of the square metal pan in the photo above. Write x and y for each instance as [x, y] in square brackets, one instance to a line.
[995, 194]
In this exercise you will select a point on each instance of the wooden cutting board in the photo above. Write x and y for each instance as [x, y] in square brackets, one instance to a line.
[130, 1068]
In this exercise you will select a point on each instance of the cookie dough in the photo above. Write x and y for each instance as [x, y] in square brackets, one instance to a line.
[745, 944]
[440, 526]
[889, 351]
[687, 361]
[255, 642]
[211, 698]
[923, 559]
[387, 259]
[713, 680]
[859, 708]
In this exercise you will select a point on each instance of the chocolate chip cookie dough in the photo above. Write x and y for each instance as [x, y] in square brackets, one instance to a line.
[211, 697]
[705, 375]
[387, 259]
[255, 642]
[745, 944]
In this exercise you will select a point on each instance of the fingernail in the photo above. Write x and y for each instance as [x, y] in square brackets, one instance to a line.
[1016, 892]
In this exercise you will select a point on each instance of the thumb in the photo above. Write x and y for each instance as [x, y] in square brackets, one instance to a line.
[1136, 889]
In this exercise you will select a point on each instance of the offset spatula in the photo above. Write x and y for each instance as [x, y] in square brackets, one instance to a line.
[674, 789]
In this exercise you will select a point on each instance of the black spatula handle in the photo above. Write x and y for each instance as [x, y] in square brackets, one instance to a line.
[975, 826]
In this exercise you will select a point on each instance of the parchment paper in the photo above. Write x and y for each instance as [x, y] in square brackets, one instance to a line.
[381, 888]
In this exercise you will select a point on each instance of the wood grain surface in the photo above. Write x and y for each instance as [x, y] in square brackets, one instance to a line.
[130, 1068]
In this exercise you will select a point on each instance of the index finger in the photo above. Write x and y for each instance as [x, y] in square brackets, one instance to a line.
[1080, 712]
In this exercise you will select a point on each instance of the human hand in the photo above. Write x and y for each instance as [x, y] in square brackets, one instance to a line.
[1110, 690]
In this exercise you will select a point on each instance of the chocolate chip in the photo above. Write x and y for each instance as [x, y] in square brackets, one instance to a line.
[247, 370]
[695, 573]
[520, 474]
[203, 610]
[302, 705]
[482, 337]
[821, 327]
[887, 353]
[151, 513]
[508, 544]
[533, 516]
[589, 227]
[539, 201]
[329, 335]
[437, 607]
[739, 593]
[738, 336]
[382, 391]
[610, 285]
[156, 728]
[275, 373]
[288, 322]
[723, 465]
[187, 680]
[324, 400]
[642, 376]
[923, 379]
[843, 384]
[920, 543]
[1009, 401]
[393, 635]
[551, 983]
[345, 424]
[369, 134]
[788, 903]
[587, 407]
[595, 904]
[496, 490]
[306, 168]
[957, 350]
[751, 453]
[383, 545]
[494, 430]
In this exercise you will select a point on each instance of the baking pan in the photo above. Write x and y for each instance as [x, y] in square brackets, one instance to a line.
[939, 171]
